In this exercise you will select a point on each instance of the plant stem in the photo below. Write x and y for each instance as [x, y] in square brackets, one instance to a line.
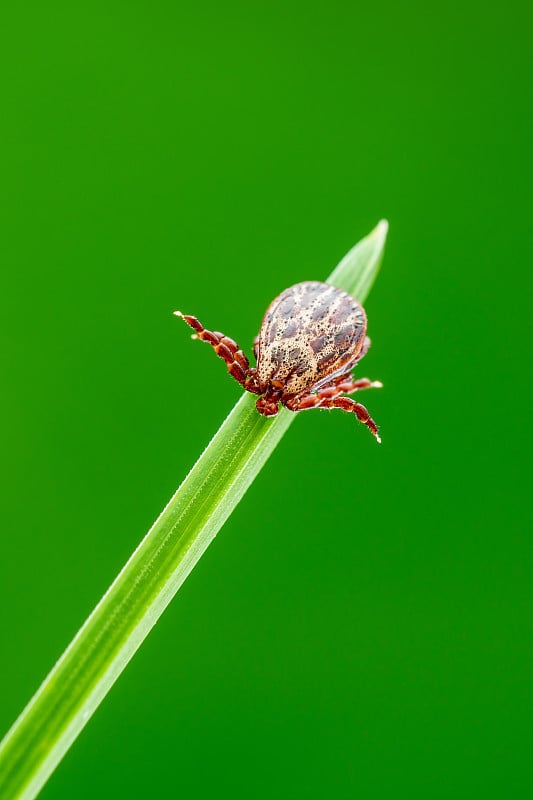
[86, 671]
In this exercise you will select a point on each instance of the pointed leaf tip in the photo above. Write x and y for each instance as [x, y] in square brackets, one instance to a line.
[359, 267]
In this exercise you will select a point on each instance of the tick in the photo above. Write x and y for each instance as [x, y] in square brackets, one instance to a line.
[311, 337]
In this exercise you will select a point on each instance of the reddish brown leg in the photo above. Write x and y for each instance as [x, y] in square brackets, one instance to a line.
[345, 403]
[346, 384]
[237, 363]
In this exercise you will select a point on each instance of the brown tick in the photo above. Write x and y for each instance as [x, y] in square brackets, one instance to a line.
[311, 337]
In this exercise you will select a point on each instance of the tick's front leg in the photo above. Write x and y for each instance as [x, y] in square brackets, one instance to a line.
[227, 349]
[345, 403]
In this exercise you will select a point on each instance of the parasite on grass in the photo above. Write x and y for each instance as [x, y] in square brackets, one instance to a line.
[312, 336]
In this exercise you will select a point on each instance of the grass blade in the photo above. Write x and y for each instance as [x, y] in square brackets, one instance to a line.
[132, 605]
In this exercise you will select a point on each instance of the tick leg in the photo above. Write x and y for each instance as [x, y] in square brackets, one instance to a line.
[345, 403]
[346, 384]
[237, 363]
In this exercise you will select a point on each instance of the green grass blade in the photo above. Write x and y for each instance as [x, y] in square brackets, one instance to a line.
[132, 605]
[358, 269]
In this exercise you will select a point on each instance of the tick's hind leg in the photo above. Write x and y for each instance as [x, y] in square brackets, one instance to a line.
[237, 363]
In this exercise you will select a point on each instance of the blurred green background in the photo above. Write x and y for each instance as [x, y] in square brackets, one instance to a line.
[361, 627]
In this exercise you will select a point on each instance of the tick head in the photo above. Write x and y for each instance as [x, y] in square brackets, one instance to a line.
[268, 404]
[266, 407]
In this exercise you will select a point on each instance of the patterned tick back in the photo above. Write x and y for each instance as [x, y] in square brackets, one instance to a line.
[311, 333]
[311, 337]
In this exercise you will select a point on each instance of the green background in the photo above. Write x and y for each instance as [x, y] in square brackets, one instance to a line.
[361, 627]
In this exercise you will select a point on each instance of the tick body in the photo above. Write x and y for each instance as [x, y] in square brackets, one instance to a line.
[312, 336]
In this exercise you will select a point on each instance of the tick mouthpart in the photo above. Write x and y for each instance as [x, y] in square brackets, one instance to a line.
[266, 406]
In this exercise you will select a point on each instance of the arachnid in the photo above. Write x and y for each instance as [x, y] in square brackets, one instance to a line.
[311, 337]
